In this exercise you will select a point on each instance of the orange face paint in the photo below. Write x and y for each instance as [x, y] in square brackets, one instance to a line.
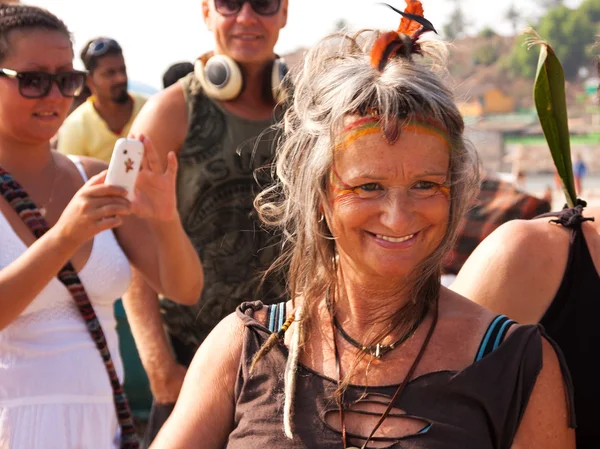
[420, 126]
[445, 190]
[371, 125]
[358, 128]
[338, 187]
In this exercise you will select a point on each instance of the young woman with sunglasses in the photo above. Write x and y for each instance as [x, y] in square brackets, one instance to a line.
[66, 252]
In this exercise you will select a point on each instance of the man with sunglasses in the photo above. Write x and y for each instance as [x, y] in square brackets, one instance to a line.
[93, 128]
[218, 145]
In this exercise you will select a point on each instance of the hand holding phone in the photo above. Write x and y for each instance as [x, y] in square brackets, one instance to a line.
[125, 165]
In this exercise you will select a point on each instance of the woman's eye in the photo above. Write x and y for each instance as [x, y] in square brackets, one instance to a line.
[369, 190]
[370, 187]
[426, 185]
[426, 189]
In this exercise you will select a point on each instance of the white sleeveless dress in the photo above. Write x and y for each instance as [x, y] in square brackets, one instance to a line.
[54, 388]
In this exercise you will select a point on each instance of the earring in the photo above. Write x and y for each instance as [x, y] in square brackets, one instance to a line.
[322, 218]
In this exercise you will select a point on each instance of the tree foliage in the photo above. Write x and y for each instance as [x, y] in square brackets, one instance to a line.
[488, 33]
[513, 16]
[457, 23]
[570, 32]
[591, 8]
[489, 51]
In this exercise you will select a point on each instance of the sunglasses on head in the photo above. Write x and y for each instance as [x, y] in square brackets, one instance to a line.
[100, 47]
[261, 7]
[39, 84]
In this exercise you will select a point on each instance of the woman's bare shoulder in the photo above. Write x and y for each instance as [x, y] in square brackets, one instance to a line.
[593, 212]
[92, 166]
[517, 269]
[521, 243]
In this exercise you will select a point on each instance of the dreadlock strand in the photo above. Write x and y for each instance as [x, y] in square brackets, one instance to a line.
[272, 341]
[291, 368]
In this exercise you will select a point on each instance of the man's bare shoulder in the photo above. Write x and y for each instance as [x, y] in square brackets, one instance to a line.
[164, 118]
[167, 103]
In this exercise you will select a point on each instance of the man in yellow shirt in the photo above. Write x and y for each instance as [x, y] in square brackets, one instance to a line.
[93, 128]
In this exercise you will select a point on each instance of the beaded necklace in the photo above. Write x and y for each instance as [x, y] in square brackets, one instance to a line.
[378, 350]
[399, 390]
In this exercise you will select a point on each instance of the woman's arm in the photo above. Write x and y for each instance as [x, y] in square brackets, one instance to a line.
[171, 264]
[164, 119]
[26, 277]
[545, 424]
[146, 323]
[94, 208]
[163, 254]
[154, 239]
[203, 415]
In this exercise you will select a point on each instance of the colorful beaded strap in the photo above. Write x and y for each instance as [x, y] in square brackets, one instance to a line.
[29, 213]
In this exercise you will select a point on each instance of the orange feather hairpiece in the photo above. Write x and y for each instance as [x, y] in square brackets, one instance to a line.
[408, 26]
[404, 41]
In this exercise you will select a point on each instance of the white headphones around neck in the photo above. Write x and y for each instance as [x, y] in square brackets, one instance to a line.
[222, 79]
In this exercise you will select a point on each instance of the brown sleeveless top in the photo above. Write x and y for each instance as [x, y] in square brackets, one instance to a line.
[479, 407]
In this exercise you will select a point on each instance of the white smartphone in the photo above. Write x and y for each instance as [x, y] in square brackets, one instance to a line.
[125, 164]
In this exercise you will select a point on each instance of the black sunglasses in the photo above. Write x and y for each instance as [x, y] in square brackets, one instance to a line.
[261, 7]
[39, 84]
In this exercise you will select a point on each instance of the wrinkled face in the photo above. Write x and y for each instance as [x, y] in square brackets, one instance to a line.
[27, 120]
[247, 37]
[389, 202]
[108, 80]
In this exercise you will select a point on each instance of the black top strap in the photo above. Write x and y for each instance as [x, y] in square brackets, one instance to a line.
[495, 334]
[569, 217]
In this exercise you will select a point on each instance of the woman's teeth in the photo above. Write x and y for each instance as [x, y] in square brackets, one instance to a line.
[395, 239]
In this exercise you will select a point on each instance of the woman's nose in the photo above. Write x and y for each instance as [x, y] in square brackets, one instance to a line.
[397, 210]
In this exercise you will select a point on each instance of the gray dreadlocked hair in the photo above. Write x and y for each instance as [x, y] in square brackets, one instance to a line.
[24, 17]
[337, 80]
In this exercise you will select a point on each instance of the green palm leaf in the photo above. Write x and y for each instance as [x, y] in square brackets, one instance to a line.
[551, 105]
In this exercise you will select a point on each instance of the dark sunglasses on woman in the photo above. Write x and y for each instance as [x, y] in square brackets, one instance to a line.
[39, 84]
[261, 7]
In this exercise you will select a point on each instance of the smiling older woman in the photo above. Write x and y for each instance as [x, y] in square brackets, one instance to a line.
[373, 177]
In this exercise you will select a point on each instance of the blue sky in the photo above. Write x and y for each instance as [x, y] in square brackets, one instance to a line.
[155, 34]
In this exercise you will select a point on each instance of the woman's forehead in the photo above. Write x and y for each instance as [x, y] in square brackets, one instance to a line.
[412, 151]
[39, 48]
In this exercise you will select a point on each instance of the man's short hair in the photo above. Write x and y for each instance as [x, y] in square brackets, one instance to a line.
[175, 72]
[97, 48]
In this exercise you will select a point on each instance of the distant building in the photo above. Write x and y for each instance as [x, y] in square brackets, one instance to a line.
[486, 99]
